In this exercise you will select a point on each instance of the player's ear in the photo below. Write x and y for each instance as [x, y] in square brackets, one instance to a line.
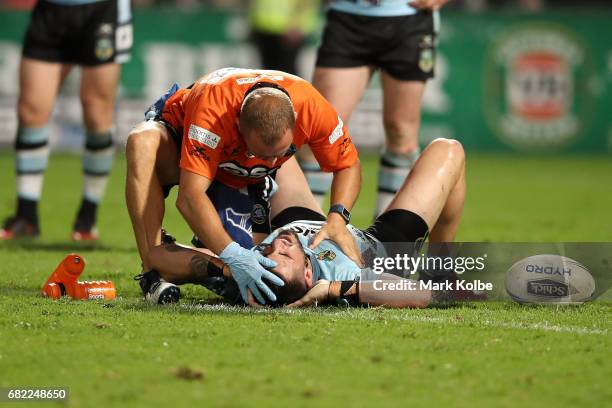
[295, 115]
[308, 273]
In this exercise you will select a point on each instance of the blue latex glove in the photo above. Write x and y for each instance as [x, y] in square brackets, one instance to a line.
[248, 270]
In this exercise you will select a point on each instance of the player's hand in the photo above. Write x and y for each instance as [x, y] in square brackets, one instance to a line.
[316, 295]
[252, 302]
[335, 230]
[427, 4]
[248, 270]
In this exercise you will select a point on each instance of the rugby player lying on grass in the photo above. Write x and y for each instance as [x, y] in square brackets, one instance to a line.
[429, 203]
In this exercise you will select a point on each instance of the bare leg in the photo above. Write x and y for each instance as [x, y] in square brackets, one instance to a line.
[293, 190]
[152, 162]
[401, 113]
[401, 119]
[39, 84]
[343, 88]
[435, 189]
[98, 92]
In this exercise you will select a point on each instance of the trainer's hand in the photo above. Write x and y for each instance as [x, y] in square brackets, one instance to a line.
[248, 269]
[335, 230]
[427, 4]
[317, 294]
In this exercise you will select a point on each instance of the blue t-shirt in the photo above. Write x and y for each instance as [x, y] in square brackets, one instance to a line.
[381, 8]
[328, 261]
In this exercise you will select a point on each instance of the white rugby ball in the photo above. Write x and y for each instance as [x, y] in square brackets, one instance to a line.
[544, 279]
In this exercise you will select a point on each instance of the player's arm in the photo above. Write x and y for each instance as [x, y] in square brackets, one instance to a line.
[333, 148]
[248, 267]
[345, 189]
[200, 213]
[388, 290]
[200, 155]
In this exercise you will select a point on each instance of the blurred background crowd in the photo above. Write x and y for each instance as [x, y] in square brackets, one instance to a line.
[464, 5]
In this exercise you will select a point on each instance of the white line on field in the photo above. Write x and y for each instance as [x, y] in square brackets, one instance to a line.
[370, 314]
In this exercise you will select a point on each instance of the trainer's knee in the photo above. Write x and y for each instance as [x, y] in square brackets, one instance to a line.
[142, 146]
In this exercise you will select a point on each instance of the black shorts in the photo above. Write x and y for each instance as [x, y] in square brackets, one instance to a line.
[88, 34]
[402, 46]
[395, 226]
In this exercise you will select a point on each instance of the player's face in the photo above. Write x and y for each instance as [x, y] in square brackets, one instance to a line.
[286, 250]
[257, 149]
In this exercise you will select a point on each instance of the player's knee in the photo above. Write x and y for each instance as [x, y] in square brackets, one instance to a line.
[97, 113]
[401, 134]
[31, 114]
[452, 147]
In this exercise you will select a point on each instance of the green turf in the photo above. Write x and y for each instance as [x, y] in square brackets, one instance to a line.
[493, 354]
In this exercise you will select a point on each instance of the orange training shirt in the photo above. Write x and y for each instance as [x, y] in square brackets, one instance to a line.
[206, 115]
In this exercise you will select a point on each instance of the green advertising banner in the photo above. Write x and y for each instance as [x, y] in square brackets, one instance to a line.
[504, 82]
[529, 83]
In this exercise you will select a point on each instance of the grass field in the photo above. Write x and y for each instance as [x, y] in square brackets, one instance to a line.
[493, 354]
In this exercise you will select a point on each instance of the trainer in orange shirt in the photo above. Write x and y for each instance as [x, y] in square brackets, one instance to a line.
[234, 126]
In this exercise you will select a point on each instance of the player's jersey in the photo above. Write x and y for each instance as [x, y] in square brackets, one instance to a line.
[212, 146]
[373, 8]
[328, 261]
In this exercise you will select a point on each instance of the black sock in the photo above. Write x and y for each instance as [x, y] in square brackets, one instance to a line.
[86, 217]
[27, 209]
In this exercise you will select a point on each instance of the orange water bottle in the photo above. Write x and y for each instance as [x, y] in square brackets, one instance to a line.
[90, 290]
[63, 281]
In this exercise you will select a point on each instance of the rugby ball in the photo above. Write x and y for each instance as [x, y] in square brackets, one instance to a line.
[545, 279]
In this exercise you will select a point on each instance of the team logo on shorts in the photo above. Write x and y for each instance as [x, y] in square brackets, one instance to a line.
[327, 255]
[536, 86]
[104, 48]
[426, 61]
[258, 214]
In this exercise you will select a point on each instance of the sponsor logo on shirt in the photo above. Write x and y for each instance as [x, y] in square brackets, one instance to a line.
[206, 137]
[346, 142]
[327, 255]
[199, 152]
[337, 133]
[243, 81]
